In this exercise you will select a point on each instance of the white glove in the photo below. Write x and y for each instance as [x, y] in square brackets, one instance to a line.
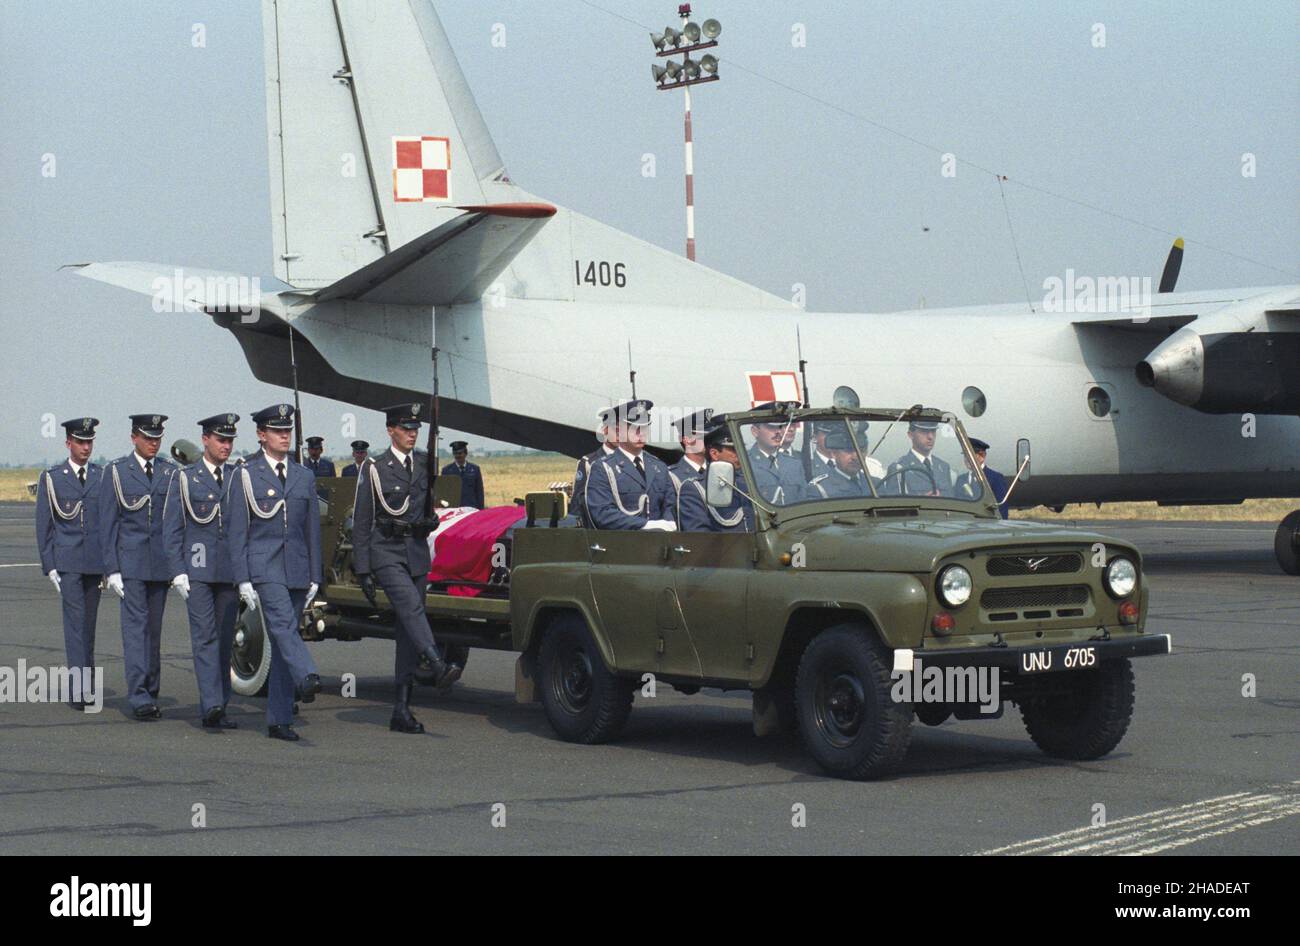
[182, 584]
[311, 593]
[54, 577]
[114, 583]
[249, 594]
[661, 525]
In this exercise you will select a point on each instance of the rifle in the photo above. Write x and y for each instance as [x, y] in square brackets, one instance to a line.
[808, 430]
[431, 516]
[297, 407]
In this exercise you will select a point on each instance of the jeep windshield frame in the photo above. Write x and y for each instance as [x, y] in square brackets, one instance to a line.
[770, 513]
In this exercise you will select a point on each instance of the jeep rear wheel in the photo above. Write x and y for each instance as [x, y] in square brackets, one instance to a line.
[583, 700]
[250, 654]
[848, 721]
[1088, 721]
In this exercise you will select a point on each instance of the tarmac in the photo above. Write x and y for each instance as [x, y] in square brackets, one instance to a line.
[1204, 769]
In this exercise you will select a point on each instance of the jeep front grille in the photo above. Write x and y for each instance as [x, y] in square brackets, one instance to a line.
[1048, 596]
[1061, 563]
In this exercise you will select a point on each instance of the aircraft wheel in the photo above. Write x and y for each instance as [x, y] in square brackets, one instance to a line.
[1286, 544]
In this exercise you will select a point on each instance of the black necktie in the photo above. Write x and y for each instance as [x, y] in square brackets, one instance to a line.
[928, 467]
[148, 468]
[218, 472]
[407, 464]
[640, 467]
[81, 475]
[279, 471]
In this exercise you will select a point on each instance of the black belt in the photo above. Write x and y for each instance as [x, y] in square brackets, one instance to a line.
[392, 529]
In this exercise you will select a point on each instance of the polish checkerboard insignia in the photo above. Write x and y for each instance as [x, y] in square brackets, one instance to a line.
[421, 168]
[766, 386]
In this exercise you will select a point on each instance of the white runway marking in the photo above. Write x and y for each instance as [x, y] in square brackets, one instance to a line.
[23, 565]
[1169, 828]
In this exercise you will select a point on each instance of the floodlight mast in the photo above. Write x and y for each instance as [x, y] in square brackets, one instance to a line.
[669, 43]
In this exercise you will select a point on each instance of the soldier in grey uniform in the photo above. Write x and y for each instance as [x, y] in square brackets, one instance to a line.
[360, 450]
[629, 488]
[694, 514]
[778, 476]
[195, 526]
[319, 466]
[67, 536]
[132, 503]
[918, 472]
[845, 476]
[690, 435]
[821, 458]
[608, 444]
[275, 559]
[390, 547]
[471, 477]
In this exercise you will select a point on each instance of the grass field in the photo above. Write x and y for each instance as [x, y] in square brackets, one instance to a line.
[508, 478]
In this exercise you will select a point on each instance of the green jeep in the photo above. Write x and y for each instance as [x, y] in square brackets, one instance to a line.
[900, 593]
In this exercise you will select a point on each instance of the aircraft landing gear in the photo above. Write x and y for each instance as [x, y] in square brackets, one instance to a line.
[1286, 544]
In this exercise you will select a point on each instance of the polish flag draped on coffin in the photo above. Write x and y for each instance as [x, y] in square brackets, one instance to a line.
[469, 543]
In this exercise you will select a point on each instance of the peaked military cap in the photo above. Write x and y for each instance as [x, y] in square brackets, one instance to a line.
[457, 445]
[923, 423]
[839, 439]
[979, 444]
[359, 445]
[275, 417]
[316, 441]
[695, 425]
[151, 425]
[406, 415]
[634, 413]
[718, 434]
[223, 425]
[81, 428]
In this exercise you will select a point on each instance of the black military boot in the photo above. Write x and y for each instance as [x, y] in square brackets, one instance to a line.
[402, 720]
[430, 667]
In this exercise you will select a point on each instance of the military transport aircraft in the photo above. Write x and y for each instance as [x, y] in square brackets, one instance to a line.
[533, 306]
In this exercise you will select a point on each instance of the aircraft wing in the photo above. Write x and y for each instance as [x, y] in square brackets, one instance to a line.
[173, 287]
[455, 262]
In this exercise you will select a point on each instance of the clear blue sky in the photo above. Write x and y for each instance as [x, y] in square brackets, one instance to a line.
[161, 156]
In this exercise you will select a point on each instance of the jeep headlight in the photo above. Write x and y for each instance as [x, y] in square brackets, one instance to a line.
[1121, 577]
[955, 586]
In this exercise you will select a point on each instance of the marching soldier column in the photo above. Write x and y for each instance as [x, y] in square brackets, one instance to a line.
[390, 548]
[67, 535]
[274, 536]
[132, 502]
[196, 524]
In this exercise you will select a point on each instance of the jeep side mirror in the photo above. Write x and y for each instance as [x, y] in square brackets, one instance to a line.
[721, 481]
[1022, 459]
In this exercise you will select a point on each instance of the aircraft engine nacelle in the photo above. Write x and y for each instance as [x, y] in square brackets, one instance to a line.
[1228, 372]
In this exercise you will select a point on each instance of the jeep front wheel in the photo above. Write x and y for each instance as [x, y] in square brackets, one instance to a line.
[583, 700]
[848, 721]
[1090, 719]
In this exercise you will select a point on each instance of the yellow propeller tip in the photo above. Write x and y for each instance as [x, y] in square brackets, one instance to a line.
[1179, 243]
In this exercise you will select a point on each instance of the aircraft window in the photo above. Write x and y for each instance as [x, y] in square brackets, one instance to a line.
[974, 401]
[845, 396]
[1098, 402]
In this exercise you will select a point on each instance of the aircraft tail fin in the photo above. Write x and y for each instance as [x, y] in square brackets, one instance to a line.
[373, 135]
[376, 144]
